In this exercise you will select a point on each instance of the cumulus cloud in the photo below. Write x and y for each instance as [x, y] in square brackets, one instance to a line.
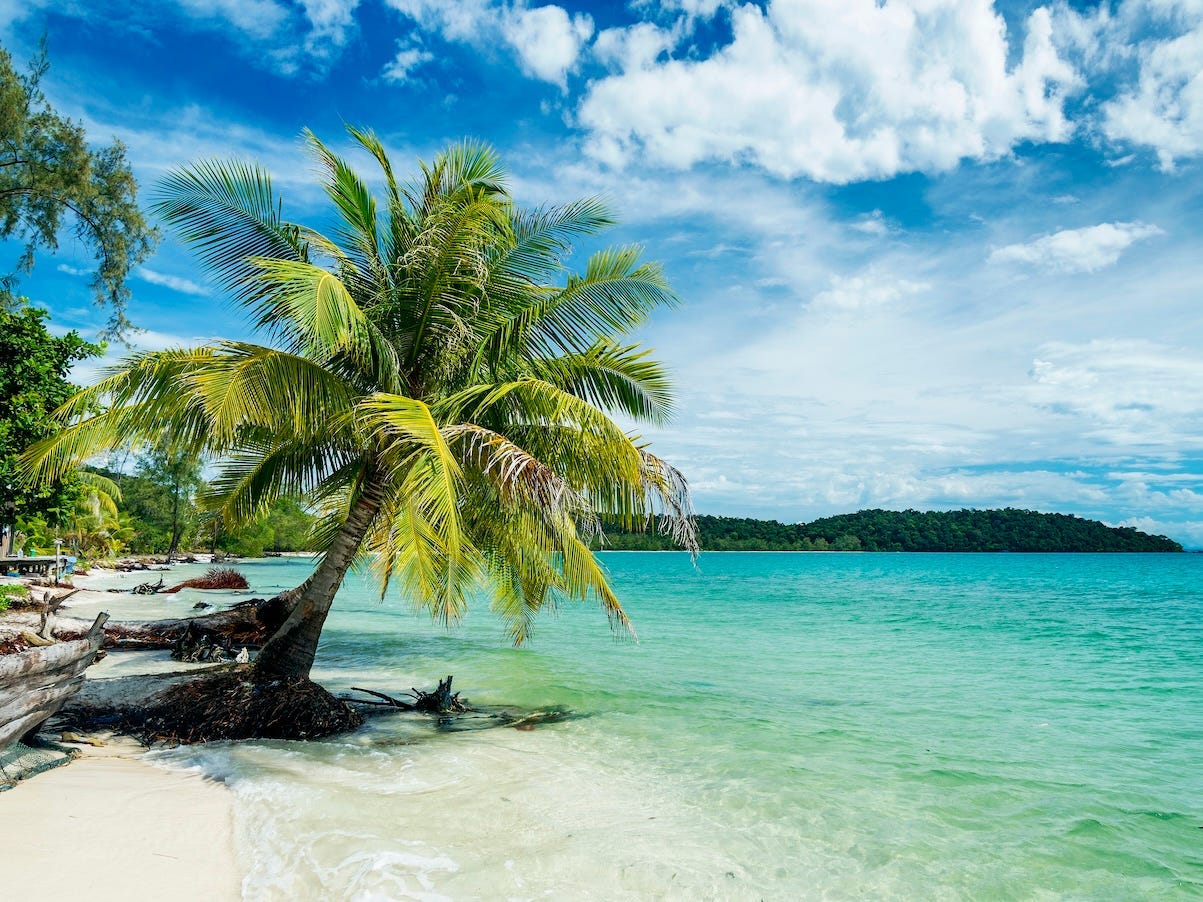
[402, 66]
[175, 283]
[1144, 59]
[1077, 250]
[638, 46]
[840, 91]
[546, 40]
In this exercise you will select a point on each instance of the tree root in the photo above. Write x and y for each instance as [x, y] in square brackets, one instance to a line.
[441, 701]
[238, 703]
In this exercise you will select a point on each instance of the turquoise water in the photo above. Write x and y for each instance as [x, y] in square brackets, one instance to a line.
[789, 726]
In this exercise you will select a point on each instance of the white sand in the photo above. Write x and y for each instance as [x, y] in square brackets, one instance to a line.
[110, 826]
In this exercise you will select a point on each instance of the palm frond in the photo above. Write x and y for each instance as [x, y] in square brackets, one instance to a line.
[228, 212]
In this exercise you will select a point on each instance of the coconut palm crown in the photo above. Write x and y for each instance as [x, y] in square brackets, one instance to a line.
[434, 382]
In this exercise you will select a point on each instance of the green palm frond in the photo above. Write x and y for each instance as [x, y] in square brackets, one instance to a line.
[229, 212]
[620, 378]
[431, 372]
[324, 319]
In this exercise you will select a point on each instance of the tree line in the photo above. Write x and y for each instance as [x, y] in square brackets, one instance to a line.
[969, 530]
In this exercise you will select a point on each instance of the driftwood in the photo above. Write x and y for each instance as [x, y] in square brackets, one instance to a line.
[148, 588]
[35, 683]
[441, 701]
[445, 704]
[50, 606]
[247, 623]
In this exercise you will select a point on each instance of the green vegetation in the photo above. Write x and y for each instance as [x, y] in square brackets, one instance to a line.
[910, 530]
[439, 386]
[150, 515]
[10, 592]
[33, 382]
[48, 173]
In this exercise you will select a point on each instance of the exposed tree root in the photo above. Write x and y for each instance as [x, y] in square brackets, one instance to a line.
[238, 703]
[441, 701]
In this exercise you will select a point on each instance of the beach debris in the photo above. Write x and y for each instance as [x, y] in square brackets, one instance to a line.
[240, 703]
[248, 622]
[441, 701]
[243, 656]
[214, 578]
[462, 717]
[69, 736]
[148, 588]
[33, 639]
[201, 605]
[196, 646]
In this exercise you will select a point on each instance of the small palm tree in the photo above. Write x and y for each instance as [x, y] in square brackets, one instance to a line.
[94, 527]
[435, 384]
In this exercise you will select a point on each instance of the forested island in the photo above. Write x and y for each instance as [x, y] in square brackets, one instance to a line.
[910, 530]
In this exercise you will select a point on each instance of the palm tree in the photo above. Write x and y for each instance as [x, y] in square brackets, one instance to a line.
[94, 525]
[435, 384]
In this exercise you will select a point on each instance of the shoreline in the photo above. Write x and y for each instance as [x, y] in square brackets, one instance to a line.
[113, 826]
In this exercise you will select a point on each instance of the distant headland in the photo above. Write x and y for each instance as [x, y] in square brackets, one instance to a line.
[1008, 529]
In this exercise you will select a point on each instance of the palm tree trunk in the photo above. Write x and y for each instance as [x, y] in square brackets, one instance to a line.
[290, 651]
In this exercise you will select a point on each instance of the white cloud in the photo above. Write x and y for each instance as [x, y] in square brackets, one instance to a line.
[175, 283]
[257, 18]
[1123, 391]
[872, 224]
[1077, 250]
[330, 21]
[402, 66]
[863, 293]
[72, 270]
[636, 47]
[546, 40]
[1144, 59]
[840, 91]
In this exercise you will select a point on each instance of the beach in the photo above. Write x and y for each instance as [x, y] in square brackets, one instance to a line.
[790, 726]
[111, 826]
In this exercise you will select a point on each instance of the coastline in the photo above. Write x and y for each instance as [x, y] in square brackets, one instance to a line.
[113, 826]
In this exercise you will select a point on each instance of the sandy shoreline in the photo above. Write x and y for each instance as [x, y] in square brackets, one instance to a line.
[112, 826]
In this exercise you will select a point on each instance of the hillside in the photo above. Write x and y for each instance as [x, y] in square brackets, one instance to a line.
[911, 530]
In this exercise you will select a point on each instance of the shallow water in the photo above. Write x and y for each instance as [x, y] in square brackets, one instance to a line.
[789, 726]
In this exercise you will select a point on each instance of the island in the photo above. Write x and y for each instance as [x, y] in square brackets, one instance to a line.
[968, 530]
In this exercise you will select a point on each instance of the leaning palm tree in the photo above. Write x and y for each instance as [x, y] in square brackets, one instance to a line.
[434, 382]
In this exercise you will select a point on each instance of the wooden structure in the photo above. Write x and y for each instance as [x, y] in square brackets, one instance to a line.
[41, 565]
[35, 683]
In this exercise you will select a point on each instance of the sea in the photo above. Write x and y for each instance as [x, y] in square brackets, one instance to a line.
[786, 726]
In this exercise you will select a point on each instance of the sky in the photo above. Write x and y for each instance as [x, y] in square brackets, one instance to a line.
[930, 254]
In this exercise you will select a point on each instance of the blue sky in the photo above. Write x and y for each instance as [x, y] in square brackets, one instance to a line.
[931, 254]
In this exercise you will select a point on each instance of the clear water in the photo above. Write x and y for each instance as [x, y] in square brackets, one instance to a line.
[790, 726]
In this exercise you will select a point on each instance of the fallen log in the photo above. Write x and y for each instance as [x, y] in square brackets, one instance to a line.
[35, 683]
[247, 623]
